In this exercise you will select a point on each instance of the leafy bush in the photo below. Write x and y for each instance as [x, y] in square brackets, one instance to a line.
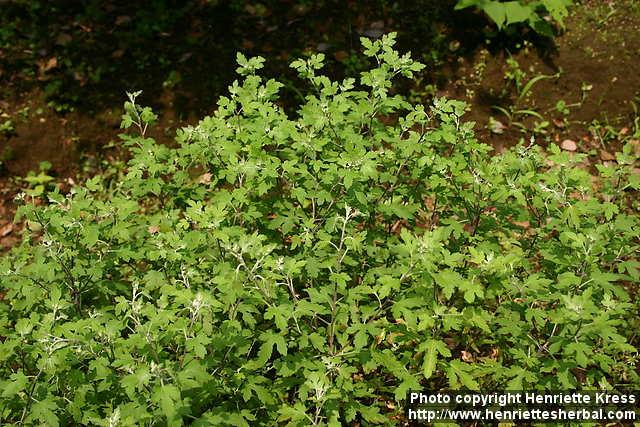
[532, 13]
[313, 268]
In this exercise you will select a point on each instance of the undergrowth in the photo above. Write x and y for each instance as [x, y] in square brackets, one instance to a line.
[313, 268]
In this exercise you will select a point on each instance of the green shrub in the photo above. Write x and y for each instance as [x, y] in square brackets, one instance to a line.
[313, 268]
[531, 13]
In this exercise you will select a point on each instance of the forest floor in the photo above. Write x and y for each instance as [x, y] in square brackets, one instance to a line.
[63, 77]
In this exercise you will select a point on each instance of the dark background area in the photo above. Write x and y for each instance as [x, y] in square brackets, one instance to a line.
[65, 67]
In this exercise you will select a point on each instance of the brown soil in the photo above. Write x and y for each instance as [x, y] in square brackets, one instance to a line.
[73, 143]
[65, 140]
[598, 52]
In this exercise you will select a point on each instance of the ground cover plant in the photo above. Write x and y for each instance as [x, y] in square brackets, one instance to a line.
[311, 267]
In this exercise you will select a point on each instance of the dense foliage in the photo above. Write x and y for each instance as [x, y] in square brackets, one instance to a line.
[531, 13]
[312, 268]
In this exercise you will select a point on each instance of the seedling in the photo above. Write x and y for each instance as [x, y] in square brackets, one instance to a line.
[514, 113]
[6, 127]
[604, 133]
[562, 108]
